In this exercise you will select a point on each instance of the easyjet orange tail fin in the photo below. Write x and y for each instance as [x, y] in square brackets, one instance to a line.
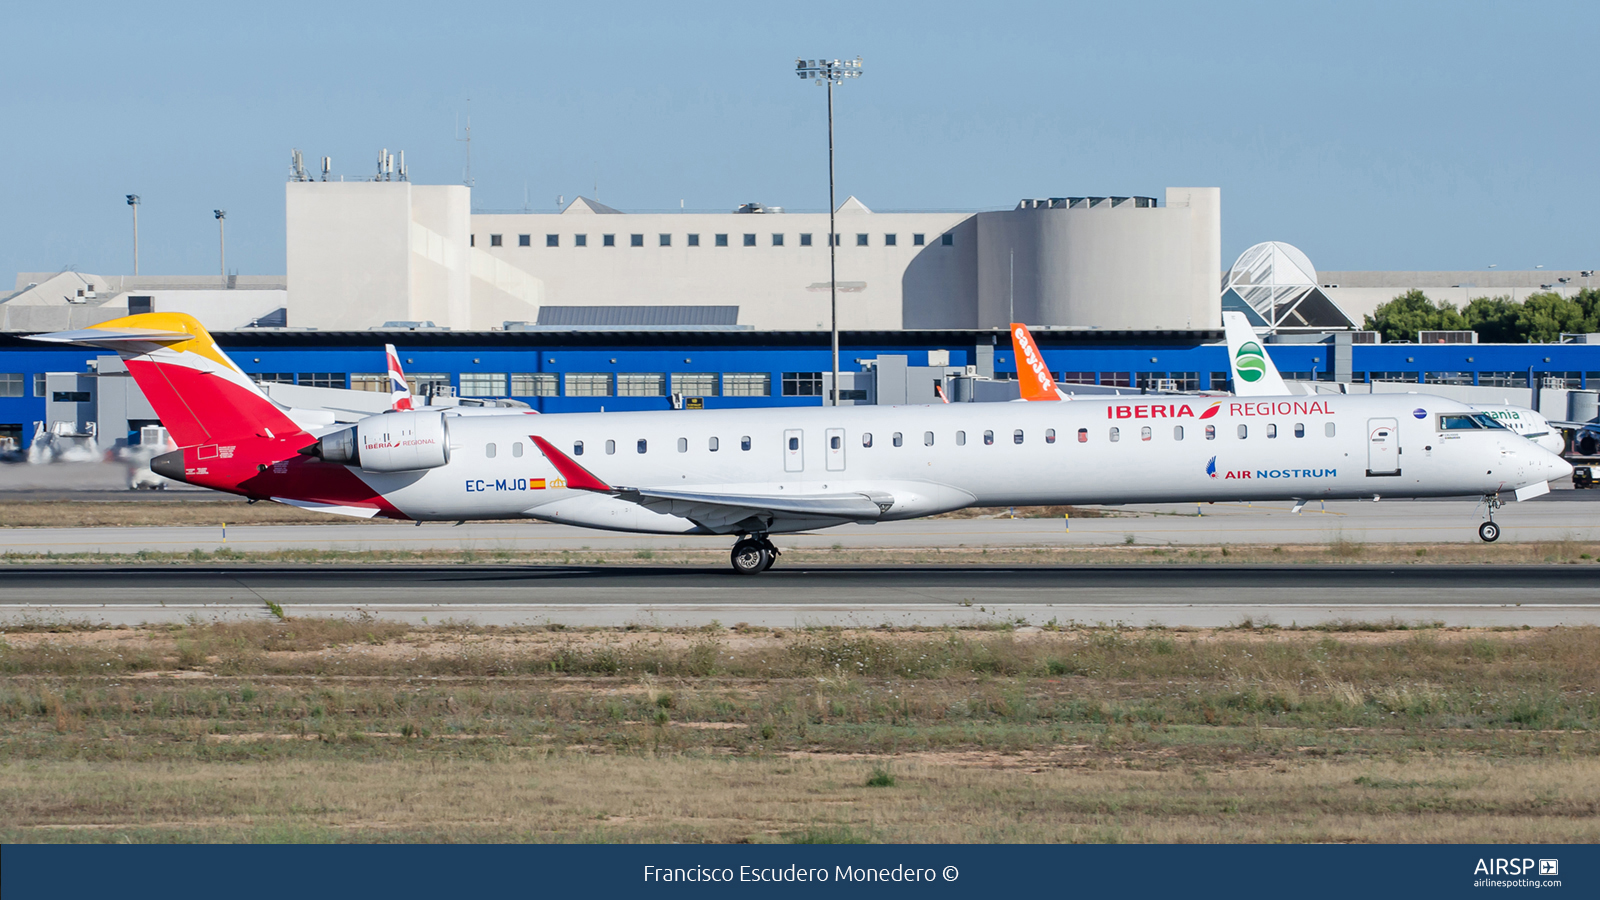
[1032, 373]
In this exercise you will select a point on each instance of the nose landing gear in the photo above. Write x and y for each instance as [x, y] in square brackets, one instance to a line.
[1489, 531]
[753, 554]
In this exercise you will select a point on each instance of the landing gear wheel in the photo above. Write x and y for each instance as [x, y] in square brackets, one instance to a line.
[751, 557]
[772, 554]
[1489, 531]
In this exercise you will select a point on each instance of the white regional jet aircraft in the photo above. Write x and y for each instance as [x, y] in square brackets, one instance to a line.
[750, 473]
[1255, 375]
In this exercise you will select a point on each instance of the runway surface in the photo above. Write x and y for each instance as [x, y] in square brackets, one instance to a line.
[1389, 521]
[800, 596]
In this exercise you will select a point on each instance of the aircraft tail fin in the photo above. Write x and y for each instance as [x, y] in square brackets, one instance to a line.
[399, 390]
[196, 390]
[1254, 375]
[1032, 373]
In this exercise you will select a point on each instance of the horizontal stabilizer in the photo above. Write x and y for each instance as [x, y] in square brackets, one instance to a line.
[95, 337]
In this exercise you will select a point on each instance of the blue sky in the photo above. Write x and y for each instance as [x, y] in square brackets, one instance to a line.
[1371, 135]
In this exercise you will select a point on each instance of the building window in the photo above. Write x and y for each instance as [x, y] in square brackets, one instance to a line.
[426, 384]
[898, 439]
[257, 377]
[1244, 431]
[608, 240]
[483, 384]
[666, 240]
[777, 240]
[1116, 435]
[695, 384]
[321, 379]
[1219, 380]
[1049, 435]
[533, 384]
[472, 240]
[39, 383]
[749, 240]
[747, 384]
[588, 384]
[140, 305]
[524, 240]
[641, 384]
[888, 240]
[552, 240]
[1076, 378]
[1149, 380]
[375, 382]
[11, 384]
[635, 240]
[1144, 433]
[861, 240]
[835, 239]
[1177, 432]
[494, 240]
[917, 240]
[805, 240]
[580, 240]
[947, 239]
[988, 438]
[1114, 379]
[802, 384]
[1506, 379]
[1184, 381]
[722, 240]
[694, 240]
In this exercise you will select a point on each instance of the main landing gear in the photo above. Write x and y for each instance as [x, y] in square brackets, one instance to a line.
[753, 554]
[1489, 531]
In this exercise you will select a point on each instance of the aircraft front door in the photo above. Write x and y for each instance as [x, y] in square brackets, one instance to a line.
[1383, 447]
[794, 459]
[835, 450]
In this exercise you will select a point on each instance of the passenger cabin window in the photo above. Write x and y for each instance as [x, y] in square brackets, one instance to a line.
[1116, 434]
[1244, 431]
[835, 443]
[794, 443]
[1049, 435]
[1083, 435]
[1272, 431]
[866, 439]
[1328, 429]
[489, 450]
[1177, 432]
[611, 447]
[1016, 436]
[927, 439]
[744, 442]
[643, 445]
[516, 449]
[988, 437]
[1299, 429]
[1144, 433]
[683, 445]
[961, 439]
[712, 444]
[577, 448]
[1211, 432]
[898, 439]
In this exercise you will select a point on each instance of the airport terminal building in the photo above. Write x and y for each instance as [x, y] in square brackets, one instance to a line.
[590, 308]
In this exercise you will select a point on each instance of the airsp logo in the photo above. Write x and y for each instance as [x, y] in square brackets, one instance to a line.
[1250, 362]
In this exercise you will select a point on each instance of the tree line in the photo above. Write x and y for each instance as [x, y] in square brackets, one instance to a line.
[1540, 319]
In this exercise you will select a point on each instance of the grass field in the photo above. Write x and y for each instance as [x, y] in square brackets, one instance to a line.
[362, 730]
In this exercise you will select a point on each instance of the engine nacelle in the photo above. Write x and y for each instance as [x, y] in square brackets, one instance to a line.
[392, 442]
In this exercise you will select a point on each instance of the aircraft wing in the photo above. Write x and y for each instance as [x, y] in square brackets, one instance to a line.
[1573, 425]
[718, 511]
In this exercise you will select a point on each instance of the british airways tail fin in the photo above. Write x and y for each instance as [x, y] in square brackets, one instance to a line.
[200, 395]
[399, 390]
[1254, 375]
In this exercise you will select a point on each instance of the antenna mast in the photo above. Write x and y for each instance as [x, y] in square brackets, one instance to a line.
[466, 176]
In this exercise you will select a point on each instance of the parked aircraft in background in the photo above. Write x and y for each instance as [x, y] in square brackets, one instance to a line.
[751, 473]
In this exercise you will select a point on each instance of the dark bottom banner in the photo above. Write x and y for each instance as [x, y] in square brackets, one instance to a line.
[235, 872]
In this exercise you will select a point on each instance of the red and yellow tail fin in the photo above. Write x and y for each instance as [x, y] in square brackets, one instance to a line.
[1032, 373]
[200, 395]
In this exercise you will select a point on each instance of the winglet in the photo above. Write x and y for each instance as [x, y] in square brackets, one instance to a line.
[578, 478]
[1034, 376]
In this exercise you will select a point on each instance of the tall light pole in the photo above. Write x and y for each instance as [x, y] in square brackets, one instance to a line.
[222, 237]
[133, 201]
[831, 72]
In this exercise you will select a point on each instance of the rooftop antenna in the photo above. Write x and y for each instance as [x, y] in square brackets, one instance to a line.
[327, 166]
[524, 195]
[403, 175]
[466, 176]
[297, 166]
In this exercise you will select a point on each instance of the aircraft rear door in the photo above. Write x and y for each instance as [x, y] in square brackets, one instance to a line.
[835, 450]
[1383, 447]
[794, 450]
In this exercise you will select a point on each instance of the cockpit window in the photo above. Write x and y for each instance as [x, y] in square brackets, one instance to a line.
[1458, 423]
[1488, 421]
